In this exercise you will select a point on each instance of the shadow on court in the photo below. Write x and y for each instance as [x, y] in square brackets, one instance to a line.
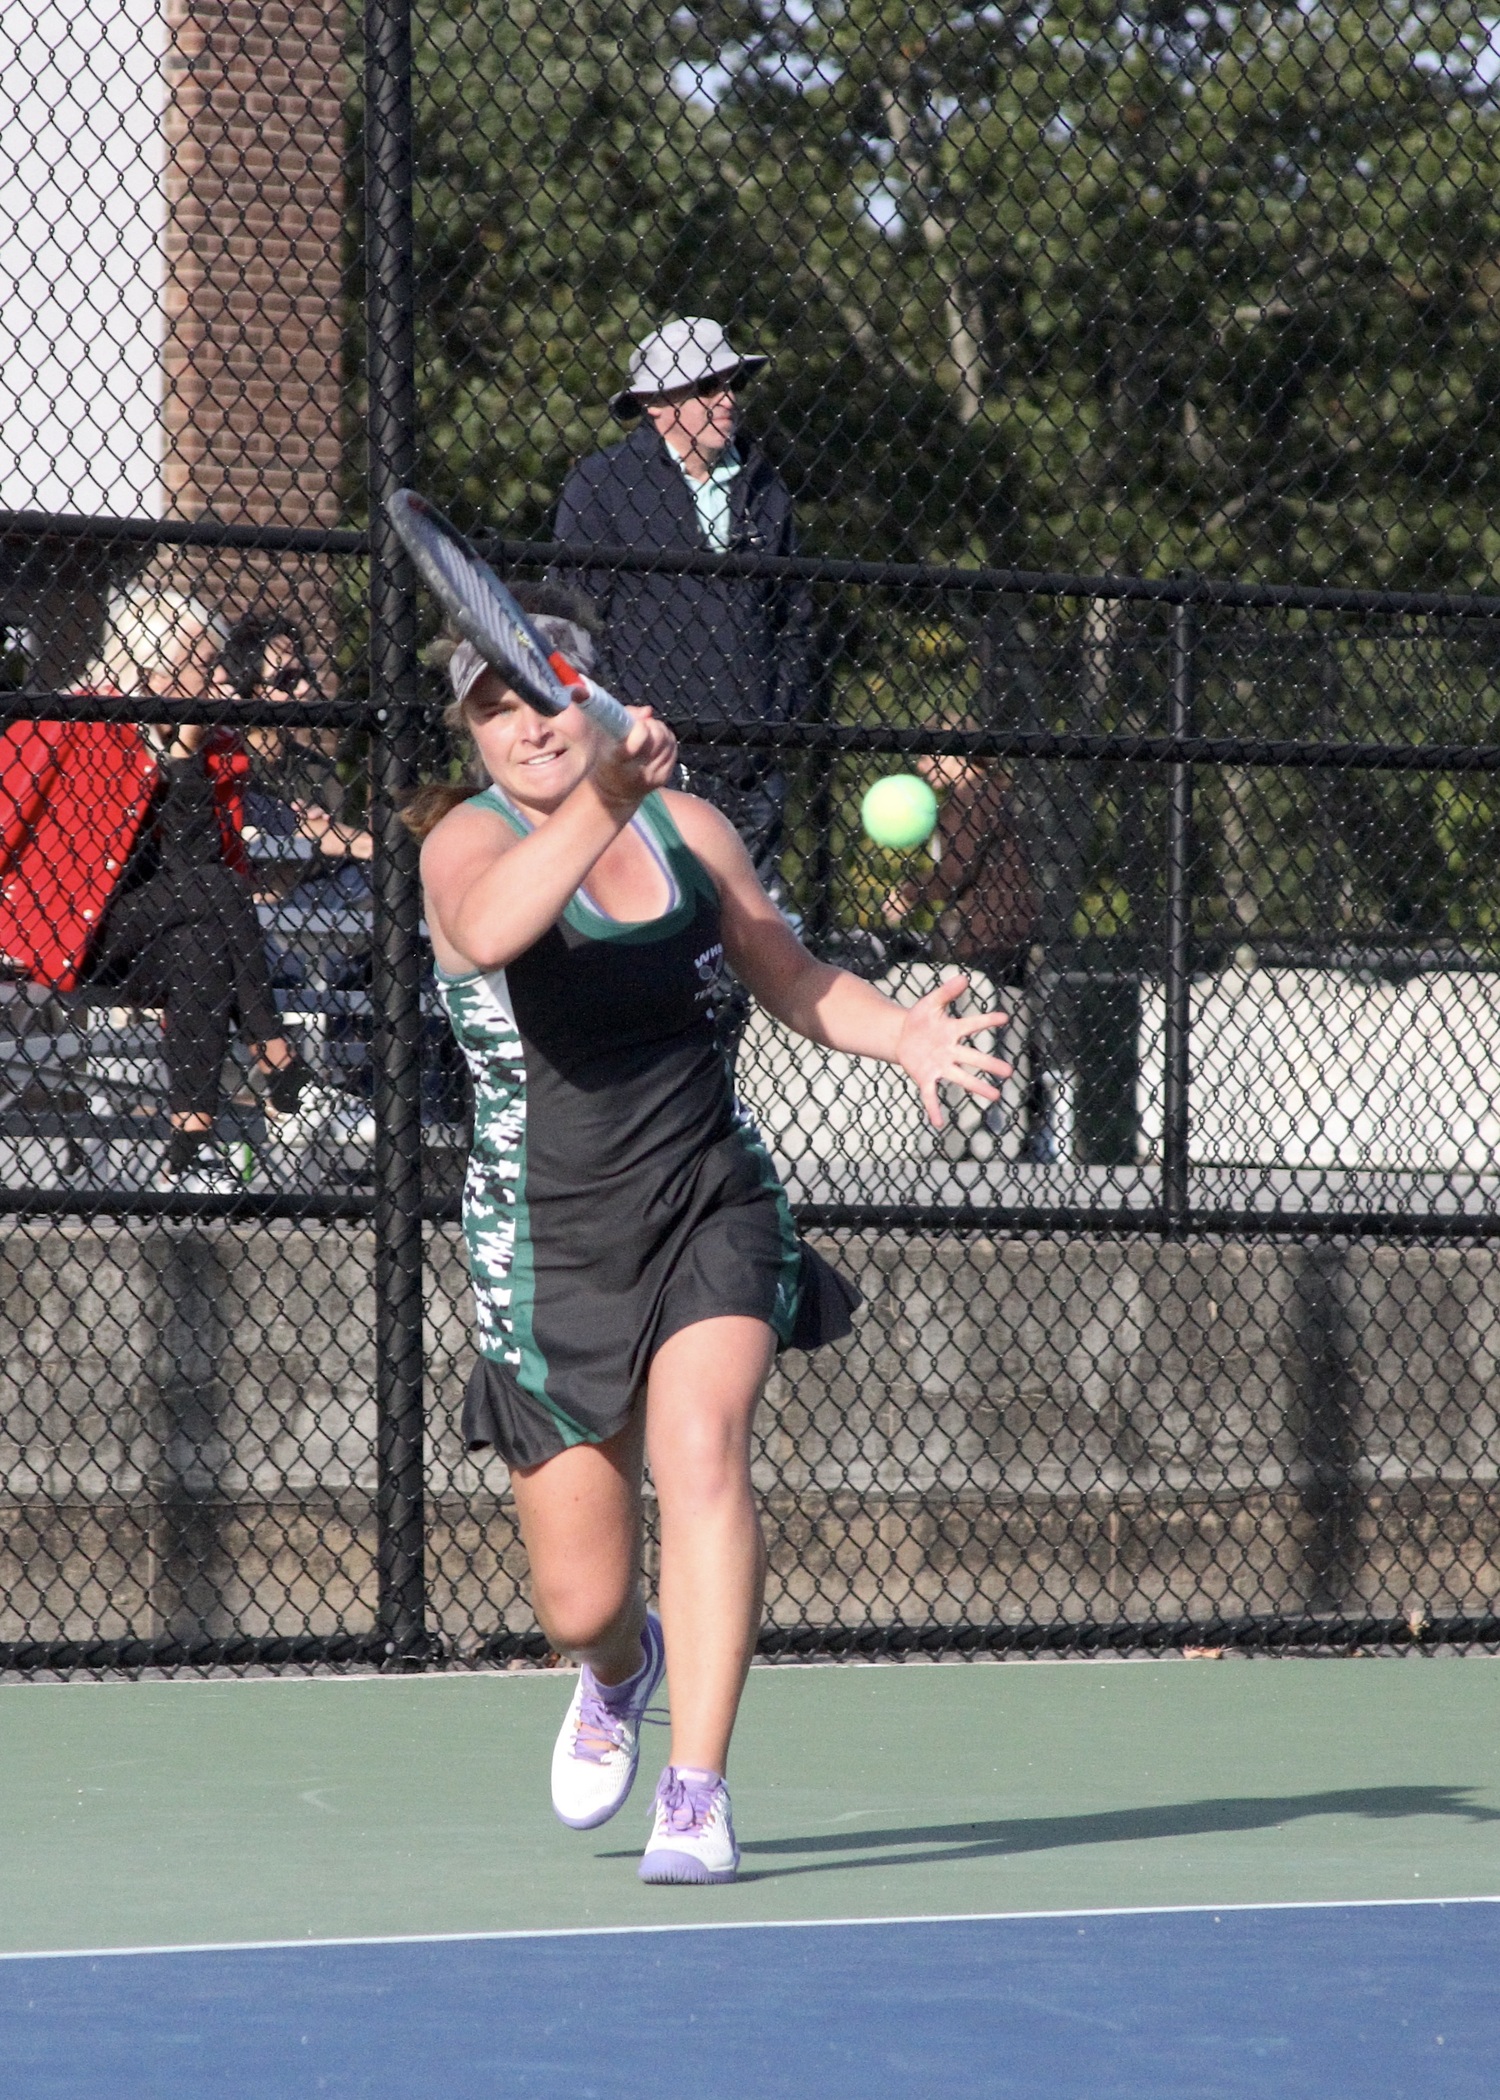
[936, 1844]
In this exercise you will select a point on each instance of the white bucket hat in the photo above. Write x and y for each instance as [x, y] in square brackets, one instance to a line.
[684, 353]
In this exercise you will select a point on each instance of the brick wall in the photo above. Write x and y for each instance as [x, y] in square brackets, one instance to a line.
[252, 379]
[255, 195]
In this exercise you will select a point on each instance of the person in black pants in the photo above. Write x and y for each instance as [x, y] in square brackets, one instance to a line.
[181, 932]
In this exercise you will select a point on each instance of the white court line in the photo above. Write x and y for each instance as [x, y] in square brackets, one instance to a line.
[602, 1932]
[462, 1673]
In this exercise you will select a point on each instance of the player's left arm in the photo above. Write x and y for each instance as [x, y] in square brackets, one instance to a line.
[927, 1040]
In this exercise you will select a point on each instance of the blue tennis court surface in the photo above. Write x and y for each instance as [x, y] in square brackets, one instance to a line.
[1374, 2002]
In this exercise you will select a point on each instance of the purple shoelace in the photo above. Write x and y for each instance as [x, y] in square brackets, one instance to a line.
[686, 1800]
[601, 1727]
[603, 1716]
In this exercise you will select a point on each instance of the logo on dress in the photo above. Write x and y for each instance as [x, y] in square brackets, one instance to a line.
[710, 968]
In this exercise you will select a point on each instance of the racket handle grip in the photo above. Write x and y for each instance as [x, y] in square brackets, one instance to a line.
[611, 715]
[600, 706]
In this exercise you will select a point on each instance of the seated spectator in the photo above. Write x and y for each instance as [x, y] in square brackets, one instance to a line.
[295, 788]
[146, 824]
[979, 889]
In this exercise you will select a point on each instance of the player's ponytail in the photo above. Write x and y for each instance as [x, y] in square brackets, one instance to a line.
[422, 809]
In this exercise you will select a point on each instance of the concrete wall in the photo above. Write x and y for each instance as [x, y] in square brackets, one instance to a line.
[1029, 1431]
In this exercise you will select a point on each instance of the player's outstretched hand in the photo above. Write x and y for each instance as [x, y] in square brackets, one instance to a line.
[934, 1046]
[625, 773]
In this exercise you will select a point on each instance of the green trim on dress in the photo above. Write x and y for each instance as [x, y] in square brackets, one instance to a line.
[685, 873]
[689, 880]
[496, 1214]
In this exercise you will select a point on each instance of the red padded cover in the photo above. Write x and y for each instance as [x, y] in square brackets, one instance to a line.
[73, 798]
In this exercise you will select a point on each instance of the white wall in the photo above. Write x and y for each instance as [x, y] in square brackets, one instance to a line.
[82, 218]
[1322, 1068]
[828, 1120]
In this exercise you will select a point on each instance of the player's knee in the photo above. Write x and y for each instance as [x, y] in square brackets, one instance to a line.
[578, 1618]
[709, 1471]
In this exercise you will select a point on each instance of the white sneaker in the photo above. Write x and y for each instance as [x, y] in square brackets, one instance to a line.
[692, 1830]
[322, 1111]
[598, 1746]
[210, 1174]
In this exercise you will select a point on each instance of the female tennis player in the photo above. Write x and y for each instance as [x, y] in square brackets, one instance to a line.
[634, 1262]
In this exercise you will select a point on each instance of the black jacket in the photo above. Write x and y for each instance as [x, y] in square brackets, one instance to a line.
[700, 649]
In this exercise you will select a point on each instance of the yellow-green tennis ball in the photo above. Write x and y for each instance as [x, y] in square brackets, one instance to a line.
[899, 811]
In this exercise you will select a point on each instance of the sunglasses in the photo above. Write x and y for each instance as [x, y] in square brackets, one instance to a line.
[701, 392]
[288, 679]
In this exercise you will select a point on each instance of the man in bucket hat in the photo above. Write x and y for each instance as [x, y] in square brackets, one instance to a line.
[705, 651]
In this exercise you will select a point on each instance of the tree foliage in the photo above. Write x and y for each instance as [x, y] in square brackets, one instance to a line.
[1044, 282]
[1214, 288]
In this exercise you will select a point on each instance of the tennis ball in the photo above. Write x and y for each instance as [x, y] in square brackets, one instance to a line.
[899, 811]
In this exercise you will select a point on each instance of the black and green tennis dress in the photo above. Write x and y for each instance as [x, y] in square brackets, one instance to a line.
[616, 1193]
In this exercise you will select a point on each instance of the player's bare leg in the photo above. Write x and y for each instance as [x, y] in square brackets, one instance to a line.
[580, 1516]
[704, 1386]
[700, 1404]
[581, 1520]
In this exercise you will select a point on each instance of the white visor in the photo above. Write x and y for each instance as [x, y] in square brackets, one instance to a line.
[466, 666]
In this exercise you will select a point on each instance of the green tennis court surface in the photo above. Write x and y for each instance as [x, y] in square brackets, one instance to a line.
[178, 1813]
[1092, 1880]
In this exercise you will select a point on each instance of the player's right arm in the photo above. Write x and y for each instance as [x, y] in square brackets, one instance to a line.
[490, 894]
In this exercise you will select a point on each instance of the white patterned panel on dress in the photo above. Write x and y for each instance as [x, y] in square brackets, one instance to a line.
[484, 1025]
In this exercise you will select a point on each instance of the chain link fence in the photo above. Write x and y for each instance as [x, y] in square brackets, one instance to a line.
[1194, 1336]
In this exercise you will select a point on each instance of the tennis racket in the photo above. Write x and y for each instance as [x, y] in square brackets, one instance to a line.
[486, 614]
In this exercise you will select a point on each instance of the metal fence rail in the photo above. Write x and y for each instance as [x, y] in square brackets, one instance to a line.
[939, 1486]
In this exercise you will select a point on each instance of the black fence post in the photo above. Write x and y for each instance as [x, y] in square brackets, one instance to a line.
[1178, 980]
[400, 1518]
[822, 769]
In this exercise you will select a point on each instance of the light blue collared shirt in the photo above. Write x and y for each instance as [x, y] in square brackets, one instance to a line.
[711, 497]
